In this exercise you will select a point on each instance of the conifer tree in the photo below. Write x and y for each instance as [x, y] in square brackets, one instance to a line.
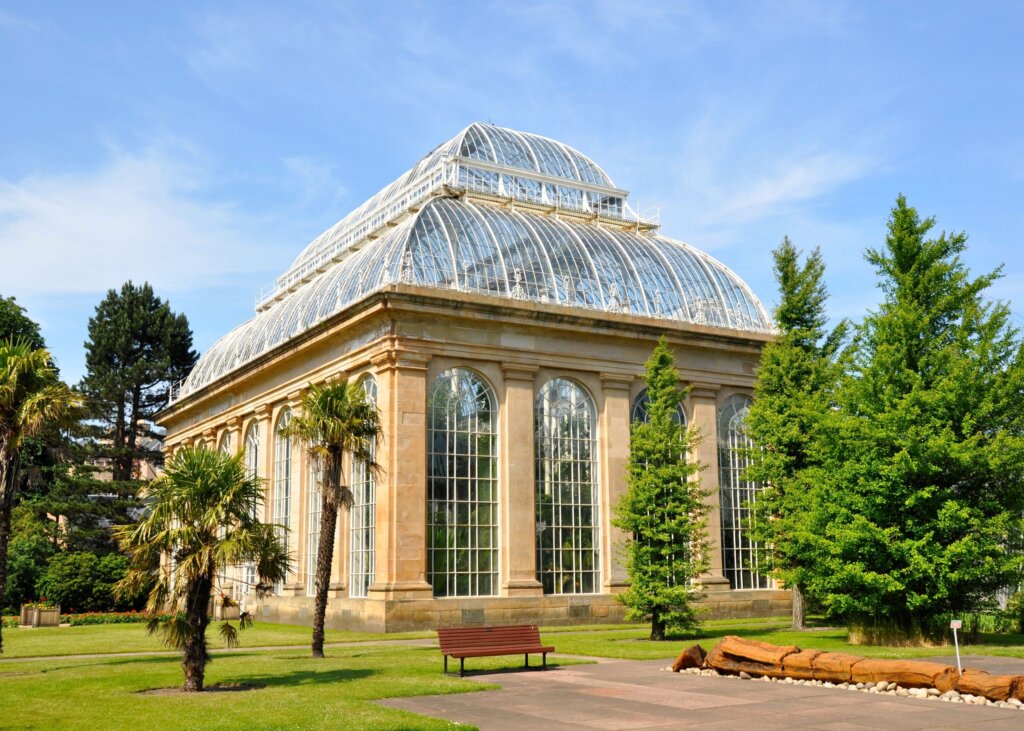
[924, 459]
[137, 347]
[663, 511]
[796, 380]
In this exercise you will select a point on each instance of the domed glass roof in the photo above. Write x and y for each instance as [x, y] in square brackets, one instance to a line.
[568, 239]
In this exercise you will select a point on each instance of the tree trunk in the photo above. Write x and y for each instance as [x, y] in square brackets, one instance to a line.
[194, 648]
[657, 627]
[324, 559]
[799, 609]
[8, 477]
[117, 463]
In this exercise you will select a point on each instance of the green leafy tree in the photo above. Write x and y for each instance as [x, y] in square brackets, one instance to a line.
[32, 544]
[84, 582]
[663, 511]
[336, 421]
[31, 395]
[137, 348]
[15, 324]
[202, 513]
[924, 457]
[796, 382]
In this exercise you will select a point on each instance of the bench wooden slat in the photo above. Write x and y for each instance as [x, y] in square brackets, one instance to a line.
[463, 642]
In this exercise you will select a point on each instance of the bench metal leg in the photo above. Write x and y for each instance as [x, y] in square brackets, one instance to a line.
[526, 658]
[545, 666]
[445, 664]
[462, 667]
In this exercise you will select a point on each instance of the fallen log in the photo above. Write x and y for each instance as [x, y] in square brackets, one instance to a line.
[755, 651]
[836, 667]
[994, 687]
[691, 657]
[908, 673]
[799, 665]
[718, 660]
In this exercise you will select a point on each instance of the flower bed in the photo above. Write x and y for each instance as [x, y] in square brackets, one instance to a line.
[9, 622]
[86, 618]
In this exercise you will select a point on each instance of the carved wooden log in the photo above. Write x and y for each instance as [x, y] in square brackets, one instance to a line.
[908, 673]
[691, 657]
[799, 665]
[994, 687]
[723, 663]
[754, 651]
[836, 667]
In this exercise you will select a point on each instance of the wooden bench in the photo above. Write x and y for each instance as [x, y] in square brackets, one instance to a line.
[463, 642]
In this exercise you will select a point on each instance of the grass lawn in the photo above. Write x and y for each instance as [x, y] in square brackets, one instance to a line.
[633, 643]
[108, 638]
[298, 692]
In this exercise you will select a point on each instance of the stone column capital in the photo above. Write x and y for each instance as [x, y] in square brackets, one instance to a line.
[234, 422]
[209, 433]
[701, 390]
[617, 381]
[294, 398]
[401, 360]
[519, 372]
[262, 412]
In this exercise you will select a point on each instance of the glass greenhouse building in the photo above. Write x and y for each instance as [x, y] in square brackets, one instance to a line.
[498, 302]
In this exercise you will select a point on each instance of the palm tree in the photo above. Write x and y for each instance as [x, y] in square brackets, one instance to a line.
[336, 420]
[201, 514]
[31, 395]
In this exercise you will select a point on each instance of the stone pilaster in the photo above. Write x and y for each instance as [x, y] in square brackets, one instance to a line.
[703, 402]
[401, 561]
[298, 536]
[613, 446]
[518, 491]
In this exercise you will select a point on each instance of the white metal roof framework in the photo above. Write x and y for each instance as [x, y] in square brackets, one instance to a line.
[502, 213]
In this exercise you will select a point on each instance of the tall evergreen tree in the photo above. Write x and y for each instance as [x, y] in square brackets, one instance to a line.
[137, 347]
[924, 459]
[796, 380]
[663, 511]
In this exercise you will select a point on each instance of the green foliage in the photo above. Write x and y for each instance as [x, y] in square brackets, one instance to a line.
[136, 348]
[85, 582]
[30, 548]
[1014, 612]
[15, 324]
[795, 386]
[82, 619]
[919, 492]
[203, 513]
[663, 511]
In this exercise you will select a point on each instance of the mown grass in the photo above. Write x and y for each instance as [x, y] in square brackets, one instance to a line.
[633, 643]
[297, 691]
[114, 638]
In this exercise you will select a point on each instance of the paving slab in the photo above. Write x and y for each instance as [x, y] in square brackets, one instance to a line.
[642, 695]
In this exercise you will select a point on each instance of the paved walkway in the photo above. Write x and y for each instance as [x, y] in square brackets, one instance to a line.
[641, 695]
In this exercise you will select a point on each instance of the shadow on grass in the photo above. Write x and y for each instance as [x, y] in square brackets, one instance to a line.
[307, 677]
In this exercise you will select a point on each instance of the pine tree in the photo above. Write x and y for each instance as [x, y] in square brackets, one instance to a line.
[137, 347]
[663, 510]
[924, 458]
[796, 380]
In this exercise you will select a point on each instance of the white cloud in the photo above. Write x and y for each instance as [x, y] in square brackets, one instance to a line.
[138, 216]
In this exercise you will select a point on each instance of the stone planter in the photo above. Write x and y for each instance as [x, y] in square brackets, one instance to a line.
[40, 616]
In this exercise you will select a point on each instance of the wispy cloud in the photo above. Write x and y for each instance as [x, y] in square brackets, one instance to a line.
[142, 216]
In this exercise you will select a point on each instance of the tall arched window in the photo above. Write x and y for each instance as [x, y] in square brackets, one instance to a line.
[462, 512]
[641, 404]
[313, 529]
[739, 555]
[362, 516]
[283, 477]
[568, 548]
[225, 443]
[251, 445]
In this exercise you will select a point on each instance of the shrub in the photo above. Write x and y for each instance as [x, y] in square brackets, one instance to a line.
[85, 581]
[87, 618]
[26, 563]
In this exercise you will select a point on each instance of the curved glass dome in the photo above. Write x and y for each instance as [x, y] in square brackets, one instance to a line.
[502, 213]
[455, 243]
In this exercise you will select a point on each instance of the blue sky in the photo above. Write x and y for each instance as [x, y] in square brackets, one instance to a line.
[202, 146]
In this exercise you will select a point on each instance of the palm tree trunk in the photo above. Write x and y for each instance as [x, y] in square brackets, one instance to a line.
[197, 618]
[324, 560]
[8, 472]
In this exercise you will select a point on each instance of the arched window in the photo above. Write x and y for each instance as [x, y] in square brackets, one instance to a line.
[251, 446]
[362, 516]
[566, 481]
[462, 512]
[739, 555]
[313, 529]
[283, 477]
[225, 443]
[642, 402]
